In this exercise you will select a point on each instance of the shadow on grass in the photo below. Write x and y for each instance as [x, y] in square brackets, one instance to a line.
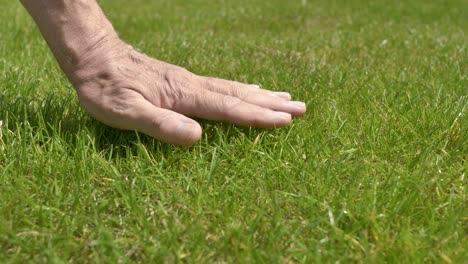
[61, 117]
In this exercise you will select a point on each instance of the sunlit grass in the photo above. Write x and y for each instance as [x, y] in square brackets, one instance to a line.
[375, 171]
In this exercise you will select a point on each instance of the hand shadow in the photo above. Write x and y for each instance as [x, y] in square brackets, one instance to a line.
[60, 117]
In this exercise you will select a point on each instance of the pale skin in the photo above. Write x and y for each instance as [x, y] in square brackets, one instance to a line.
[126, 89]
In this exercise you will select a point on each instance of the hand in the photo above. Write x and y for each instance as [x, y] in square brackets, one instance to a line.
[128, 90]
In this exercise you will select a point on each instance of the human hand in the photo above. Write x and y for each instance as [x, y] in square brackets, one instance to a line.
[128, 90]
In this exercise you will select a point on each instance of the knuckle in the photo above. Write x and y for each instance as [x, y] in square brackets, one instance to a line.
[230, 103]
[242, 94]
[157, 121]
[180, 86]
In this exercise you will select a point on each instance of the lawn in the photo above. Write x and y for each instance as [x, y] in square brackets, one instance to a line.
[374, 171]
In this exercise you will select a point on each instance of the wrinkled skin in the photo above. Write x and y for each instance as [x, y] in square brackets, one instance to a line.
[126, 89]
[129, 90]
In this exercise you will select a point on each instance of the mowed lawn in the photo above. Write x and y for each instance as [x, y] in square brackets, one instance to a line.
[374, 172]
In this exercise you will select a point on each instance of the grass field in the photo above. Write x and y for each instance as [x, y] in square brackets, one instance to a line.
[374, 172]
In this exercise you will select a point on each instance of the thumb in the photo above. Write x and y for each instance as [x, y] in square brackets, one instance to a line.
[166, 125]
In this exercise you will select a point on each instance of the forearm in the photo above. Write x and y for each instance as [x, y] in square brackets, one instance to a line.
[73, 29]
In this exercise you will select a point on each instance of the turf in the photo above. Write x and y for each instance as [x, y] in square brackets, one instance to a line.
[374, 172]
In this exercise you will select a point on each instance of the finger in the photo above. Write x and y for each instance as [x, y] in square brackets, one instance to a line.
[215, 106]
[232, 88]
[275, 101]
[166, 125]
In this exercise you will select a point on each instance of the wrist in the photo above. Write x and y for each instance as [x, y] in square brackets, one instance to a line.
[75, 30]
[96, 60]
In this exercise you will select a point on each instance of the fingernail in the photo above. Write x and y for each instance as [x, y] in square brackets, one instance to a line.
[255, 86]
[296, 104]
[281, 95]
[281, 115]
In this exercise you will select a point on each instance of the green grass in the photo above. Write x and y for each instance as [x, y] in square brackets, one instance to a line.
[374, 172]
